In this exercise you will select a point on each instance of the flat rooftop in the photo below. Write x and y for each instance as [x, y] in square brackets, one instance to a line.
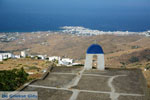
[75, 83]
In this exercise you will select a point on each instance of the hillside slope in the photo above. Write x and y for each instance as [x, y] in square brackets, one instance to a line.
[118, 49]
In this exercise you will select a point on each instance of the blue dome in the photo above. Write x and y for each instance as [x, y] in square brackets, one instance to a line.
[95, 49]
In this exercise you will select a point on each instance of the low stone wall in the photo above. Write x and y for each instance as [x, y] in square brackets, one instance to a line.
[42, 78]
[148, 95]
[46, 73]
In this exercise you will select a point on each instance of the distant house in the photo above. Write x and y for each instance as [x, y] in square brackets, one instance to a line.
[65, 61]
[54, 58]
[147, 33]
[1, 58]
[5, 55]
[17, 56]
[23, 54]
[60, 62]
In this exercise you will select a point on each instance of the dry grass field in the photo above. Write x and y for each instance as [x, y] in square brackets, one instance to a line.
[71, 46]
[33, 66]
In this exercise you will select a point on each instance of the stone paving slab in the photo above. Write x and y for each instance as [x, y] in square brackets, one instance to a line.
[97, 72]
[93, 83]
[132, 83]
[131, 98]
[111, 72]
[54, 80]
[50, 94]
[64, 69]
[93, 96]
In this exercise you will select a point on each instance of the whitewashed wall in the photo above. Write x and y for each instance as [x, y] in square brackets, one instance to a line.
[1, 58]
[100, 61]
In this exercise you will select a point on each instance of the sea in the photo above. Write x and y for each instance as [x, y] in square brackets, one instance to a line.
[50, 15]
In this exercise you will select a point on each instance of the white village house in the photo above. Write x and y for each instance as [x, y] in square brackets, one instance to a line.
[1, 58]
[54, 58]
[61, 61]
[23, 54]
[147, 33]
[65, 61]
[5, 55]
[17, 56]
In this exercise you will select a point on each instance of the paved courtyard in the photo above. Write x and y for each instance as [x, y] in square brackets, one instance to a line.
[75, 83]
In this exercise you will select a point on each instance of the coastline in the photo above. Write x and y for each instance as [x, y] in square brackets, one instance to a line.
[79, 30]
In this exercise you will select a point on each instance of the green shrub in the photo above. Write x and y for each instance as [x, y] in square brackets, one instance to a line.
[147, 66]
[10, 80]
[135, 47]
[28, 56]
[134, 59]
[123, 64]
[5, 59]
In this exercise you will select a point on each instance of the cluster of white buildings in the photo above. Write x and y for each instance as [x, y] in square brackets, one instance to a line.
[60, 61]
[81, 31]
[63, 61]
[7, 55]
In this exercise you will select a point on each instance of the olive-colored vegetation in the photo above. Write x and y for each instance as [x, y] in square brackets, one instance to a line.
[147, 66]
[29, 64]
[134, 59]
[10, 80]
[123, 64]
